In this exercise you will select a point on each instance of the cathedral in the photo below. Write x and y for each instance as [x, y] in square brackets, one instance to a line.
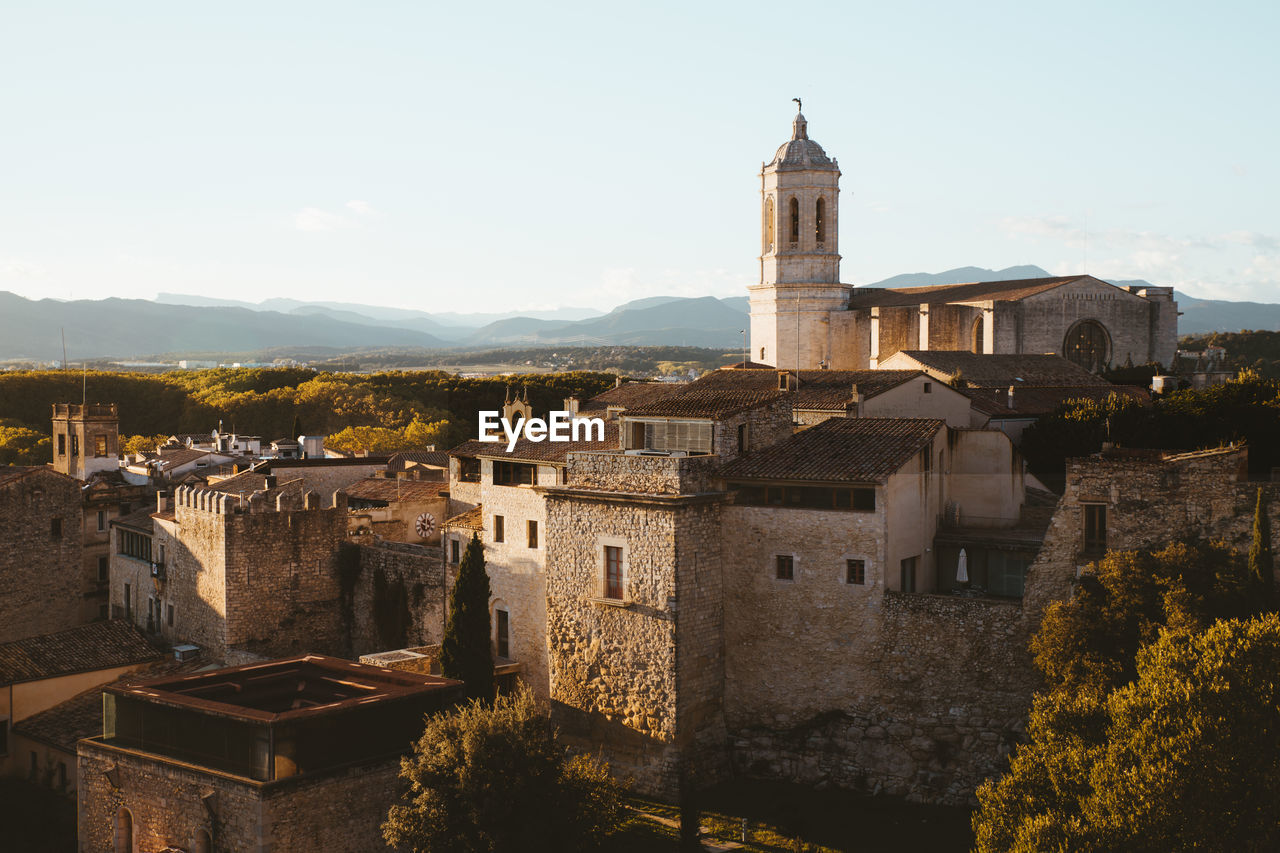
[803, 317]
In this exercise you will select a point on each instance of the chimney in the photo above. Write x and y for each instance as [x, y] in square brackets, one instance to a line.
[1011, 396]
[571, 406]
[855, 395]
[617, 382]
[162, 501]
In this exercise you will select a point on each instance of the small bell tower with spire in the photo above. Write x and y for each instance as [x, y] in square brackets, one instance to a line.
[799, 255]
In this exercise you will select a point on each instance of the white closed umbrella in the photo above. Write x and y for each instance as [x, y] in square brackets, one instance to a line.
[962, 568]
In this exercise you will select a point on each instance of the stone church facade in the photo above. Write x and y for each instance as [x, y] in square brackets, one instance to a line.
[803, 317]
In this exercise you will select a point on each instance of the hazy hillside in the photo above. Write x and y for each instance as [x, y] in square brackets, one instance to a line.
[653, 321]
[126, 327]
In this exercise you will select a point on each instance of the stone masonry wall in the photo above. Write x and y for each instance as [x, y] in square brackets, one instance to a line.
[939, 696]
[40, 568]
[167, 800]
[653, 475]
[415, 569]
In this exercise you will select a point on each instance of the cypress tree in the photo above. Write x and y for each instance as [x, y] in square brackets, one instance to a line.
[465, 653]
[1260, 564]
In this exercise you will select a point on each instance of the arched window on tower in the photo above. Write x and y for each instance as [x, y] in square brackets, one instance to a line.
[768, 224]
[979, 336]
[795, 220]
[820, 221]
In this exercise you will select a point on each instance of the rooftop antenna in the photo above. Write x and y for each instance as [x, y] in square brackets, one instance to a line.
[84, 385]
[745, 354]
[1086, 242]
[64, 348]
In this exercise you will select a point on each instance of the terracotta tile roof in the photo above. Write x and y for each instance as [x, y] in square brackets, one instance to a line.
[976, 291]
[551, 452]
[392, 490]
[245, 481]
[630, 394]
[170, 459]
[1003, 369]
[81, 715]
[472, 519]
[98, 645]
[139, 519]
[747, 365]
[13, 473]
[1031, 401]
[434, 458]
[833, 389]
[717, 394]
[840, 450]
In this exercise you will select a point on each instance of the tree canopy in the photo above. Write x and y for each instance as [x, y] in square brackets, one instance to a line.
[492, 779]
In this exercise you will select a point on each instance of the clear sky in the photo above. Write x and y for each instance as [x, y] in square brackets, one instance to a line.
[492, 156]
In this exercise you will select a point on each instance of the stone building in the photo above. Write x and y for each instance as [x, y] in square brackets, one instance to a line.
[293, 754]
[237, 575]
[802, 316]
[42, 585]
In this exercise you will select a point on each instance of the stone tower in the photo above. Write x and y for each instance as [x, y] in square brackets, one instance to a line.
[800, 259]
[86, 438]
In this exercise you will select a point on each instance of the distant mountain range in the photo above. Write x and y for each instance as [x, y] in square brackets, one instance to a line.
[180, 324]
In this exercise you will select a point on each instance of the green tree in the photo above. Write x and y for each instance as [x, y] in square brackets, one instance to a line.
[492, 779]
[1186, 757]
[1260, 562]
[22, 446]
[465, 653]
[1092, 640]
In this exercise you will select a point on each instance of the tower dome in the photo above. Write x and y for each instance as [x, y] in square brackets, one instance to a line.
[801, 152]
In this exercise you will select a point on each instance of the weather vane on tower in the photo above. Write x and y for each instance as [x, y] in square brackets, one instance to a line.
[799, 105]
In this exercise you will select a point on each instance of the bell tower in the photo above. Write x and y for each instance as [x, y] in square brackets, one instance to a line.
[799, 255]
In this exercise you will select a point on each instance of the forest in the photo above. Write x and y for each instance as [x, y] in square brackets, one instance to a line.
[381, 412]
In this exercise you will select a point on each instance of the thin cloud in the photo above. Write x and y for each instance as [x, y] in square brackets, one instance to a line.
[362, 208]
[315, 219]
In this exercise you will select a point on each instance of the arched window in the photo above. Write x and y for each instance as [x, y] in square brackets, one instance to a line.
[820, 223]
[795, 220]
[768, 224]
[1088, 345]
[124, 831]
[979, 335]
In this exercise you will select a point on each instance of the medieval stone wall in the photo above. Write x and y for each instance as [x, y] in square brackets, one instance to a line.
[407, 583]
[654, 475]
[41, 586]
[167, 803]
[1045, 318]
[935, 696]
[893, 330]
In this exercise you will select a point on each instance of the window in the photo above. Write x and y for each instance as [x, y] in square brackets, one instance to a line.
[532, 527]
[784, 567]
[468, 469]
[102, 611]
[514, 474]
[820, 224]
[1088, 345]
[926, 460]
[855, 571]
[795, 220]
[99, 445]
[62, 775]
[742, 438]
[907, 578]
[75, 445]
[62, 444]
[169, 618]
[454, 551]
[613, 572]
[1095, 529]
[4, 736]
[102, 520]
[55, 528]
[131, 544]
[928, 387]
[503, 631]
[806, 497]
[35, 766]
[499, 529]
[104, 568]
[128, 601]
[768, 224]
[689, 436]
